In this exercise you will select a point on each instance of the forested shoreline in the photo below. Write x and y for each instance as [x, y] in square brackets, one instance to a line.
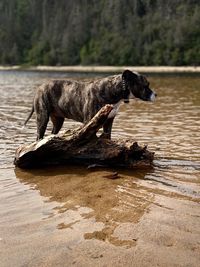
[91, 32]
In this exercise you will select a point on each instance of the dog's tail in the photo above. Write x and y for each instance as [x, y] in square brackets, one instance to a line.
[29, 116]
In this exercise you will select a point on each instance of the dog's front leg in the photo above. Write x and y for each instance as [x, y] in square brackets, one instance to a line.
[107, 128]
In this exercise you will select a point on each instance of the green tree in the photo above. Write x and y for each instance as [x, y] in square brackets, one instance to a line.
[119, 32]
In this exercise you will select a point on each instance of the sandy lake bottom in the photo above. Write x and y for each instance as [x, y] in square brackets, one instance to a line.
[72, 216]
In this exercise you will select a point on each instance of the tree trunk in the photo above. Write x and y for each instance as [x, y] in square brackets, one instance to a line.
[83, 147]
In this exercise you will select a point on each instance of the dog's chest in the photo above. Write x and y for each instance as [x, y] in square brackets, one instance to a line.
[114, 111]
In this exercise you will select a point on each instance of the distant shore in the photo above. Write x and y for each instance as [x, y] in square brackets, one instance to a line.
[108, 69]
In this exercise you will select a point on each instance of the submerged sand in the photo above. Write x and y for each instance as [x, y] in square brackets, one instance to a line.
[91, 220]
[72, 216]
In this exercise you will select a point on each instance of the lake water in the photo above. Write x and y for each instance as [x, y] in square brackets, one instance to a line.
[71, 216]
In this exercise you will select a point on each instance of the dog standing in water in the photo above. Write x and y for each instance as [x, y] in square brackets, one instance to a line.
[80, 101]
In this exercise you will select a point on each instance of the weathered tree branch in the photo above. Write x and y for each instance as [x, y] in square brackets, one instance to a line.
[83, 147]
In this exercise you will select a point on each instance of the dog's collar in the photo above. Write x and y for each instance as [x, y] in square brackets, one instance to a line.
[125, 91]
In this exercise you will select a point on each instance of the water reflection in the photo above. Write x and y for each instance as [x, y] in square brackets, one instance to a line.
[90, 195]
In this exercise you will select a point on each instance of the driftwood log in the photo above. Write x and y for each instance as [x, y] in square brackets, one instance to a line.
[83, 147]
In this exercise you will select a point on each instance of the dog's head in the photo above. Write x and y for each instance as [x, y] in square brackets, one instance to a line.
[138, 86]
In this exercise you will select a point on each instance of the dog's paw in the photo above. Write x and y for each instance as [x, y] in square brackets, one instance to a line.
[105, 136]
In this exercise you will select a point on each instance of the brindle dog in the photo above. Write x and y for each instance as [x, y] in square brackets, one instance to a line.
[80, 101]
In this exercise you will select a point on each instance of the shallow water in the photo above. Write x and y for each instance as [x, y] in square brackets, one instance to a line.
[69, 216]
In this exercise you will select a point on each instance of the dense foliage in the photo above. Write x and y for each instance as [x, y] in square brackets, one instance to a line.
[100, 32]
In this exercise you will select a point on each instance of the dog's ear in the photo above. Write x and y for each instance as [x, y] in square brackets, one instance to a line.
[129, 76]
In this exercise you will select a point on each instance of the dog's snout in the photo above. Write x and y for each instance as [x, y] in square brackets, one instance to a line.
[155, 95]
[152, 96]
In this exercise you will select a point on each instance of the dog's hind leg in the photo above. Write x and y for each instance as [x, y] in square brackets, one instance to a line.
[42, 121]
[42, 118]
[57, 124]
